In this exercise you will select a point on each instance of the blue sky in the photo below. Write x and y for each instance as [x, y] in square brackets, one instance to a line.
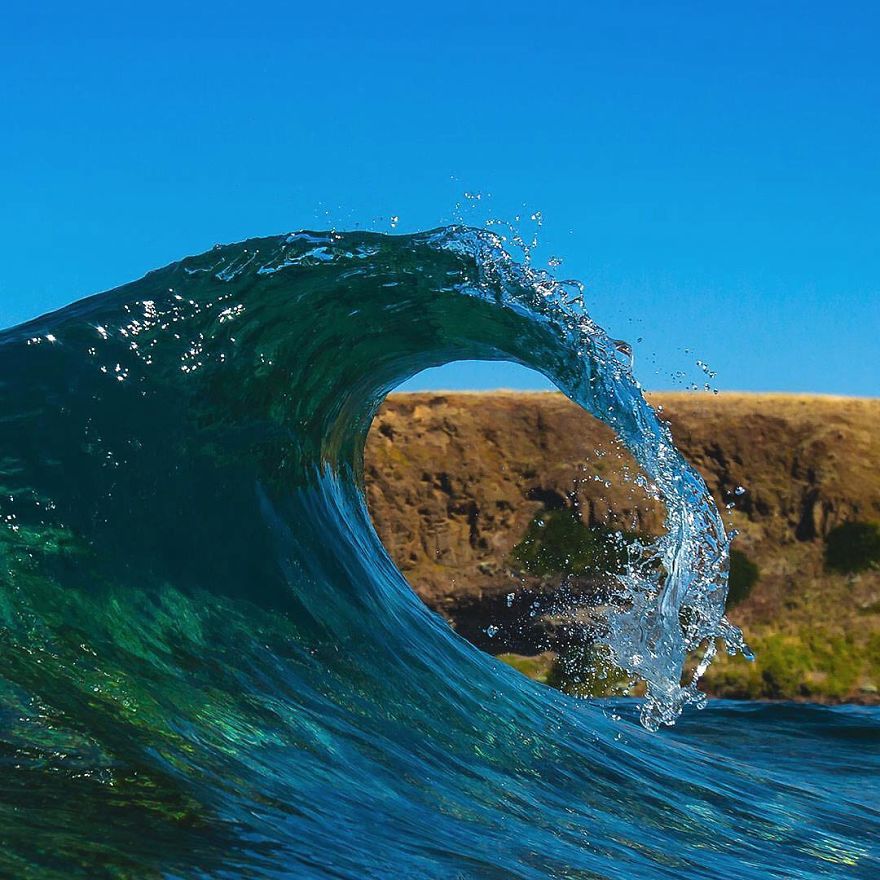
[712, 174]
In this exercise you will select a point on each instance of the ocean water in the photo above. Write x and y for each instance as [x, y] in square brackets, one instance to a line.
[210, 667]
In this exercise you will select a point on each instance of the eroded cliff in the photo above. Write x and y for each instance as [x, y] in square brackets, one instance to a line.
[454, 481]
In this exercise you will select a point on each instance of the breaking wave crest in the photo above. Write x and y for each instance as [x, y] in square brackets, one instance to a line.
[211, 667]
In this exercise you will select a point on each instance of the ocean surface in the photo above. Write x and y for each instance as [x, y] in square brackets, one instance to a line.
[211, 668]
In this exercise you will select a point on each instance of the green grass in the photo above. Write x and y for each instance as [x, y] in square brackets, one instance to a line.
[805, 664]
[538, 668]
[810, 665]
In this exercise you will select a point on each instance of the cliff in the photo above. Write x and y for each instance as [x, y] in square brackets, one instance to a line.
[456, 481]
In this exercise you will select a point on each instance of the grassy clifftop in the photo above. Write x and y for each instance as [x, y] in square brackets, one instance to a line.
[455, 482]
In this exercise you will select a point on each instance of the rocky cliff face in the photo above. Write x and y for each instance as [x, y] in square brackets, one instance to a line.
[453, 481]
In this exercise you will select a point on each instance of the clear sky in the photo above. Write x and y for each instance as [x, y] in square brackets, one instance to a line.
[710, 171]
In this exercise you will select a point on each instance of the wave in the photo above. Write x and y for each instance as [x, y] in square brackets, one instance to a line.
[211, 667]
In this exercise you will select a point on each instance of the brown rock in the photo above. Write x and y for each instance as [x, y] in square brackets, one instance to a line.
[454, 479]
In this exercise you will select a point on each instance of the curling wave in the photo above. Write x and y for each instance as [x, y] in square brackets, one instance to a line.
[210, 666]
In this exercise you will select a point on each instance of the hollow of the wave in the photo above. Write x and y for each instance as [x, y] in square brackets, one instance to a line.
[233, 391]
[520, 558]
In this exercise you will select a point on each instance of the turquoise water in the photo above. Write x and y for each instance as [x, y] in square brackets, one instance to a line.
[210, 667]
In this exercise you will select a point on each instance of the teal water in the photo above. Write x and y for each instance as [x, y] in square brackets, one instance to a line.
[210, 667]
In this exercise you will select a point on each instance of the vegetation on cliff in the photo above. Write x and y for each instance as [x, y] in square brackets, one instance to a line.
[742, 577]
[558, 542]
[852, 547]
